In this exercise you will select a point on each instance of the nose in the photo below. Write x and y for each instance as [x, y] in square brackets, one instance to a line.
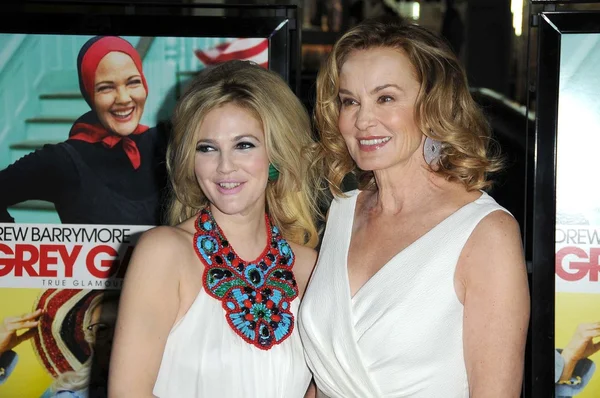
[123, 96]
[226, 164]
[364, 117]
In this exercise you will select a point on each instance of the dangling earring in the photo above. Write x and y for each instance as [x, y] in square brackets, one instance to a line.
[273, 173]
[432, 150]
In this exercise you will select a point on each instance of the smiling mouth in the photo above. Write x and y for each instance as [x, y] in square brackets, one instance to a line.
[122, 114]
[229, 185]
[376, 141]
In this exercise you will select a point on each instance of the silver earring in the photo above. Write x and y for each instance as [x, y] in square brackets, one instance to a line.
[432, 150]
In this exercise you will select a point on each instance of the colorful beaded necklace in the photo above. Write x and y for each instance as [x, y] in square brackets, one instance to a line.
[255, 295]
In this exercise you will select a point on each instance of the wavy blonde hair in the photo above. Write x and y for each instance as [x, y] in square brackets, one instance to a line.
[292, 200]
[444, 108]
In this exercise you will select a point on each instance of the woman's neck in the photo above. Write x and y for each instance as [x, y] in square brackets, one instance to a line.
[246, 232]
[405, 187]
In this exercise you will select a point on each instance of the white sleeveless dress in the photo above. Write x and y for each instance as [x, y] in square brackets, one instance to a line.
[205, 358]
[401, 335]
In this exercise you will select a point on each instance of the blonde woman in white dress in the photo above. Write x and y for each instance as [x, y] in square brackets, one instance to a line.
[420, 289]
[209, 304]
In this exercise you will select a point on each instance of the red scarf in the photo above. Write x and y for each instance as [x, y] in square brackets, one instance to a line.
[94, 133]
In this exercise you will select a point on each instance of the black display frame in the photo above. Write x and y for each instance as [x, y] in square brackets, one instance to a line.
[172, 20]
[552, 25]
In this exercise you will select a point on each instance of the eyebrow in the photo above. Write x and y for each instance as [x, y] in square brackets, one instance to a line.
[375, 90]
[235, 139]
[383, 87]
[242, 136]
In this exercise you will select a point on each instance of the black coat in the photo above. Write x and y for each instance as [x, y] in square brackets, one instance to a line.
[90, 183]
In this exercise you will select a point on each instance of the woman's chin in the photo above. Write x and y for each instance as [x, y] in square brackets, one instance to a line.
[370, 166]
[124, 131]
[122, 127]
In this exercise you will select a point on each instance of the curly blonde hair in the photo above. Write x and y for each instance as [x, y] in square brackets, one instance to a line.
[292, 200]
[444, 108]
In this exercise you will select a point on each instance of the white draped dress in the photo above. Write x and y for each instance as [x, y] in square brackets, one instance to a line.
[205, 358]
[401, 335]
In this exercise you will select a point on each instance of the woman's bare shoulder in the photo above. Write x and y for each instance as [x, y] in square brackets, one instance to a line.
[497, 233]
[305, 256]
[305, 260]
[165, 245]
[497, 226]
[163, 239]
[168, 234]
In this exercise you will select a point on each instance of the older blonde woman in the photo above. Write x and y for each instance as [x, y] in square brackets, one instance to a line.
[209, 304]
[420, 289]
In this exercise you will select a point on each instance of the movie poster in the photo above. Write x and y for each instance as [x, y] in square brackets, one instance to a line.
[84, 125]
[577, 330]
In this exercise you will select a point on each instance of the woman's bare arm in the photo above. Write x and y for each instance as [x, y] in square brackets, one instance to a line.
[312, 390]
[304, 265]
[148, 307]
[492, 284]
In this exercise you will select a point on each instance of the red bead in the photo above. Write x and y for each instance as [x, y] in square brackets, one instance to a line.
[249, 317]
[275, 318]
[270, 304]
[258, 297]
[247, 303]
